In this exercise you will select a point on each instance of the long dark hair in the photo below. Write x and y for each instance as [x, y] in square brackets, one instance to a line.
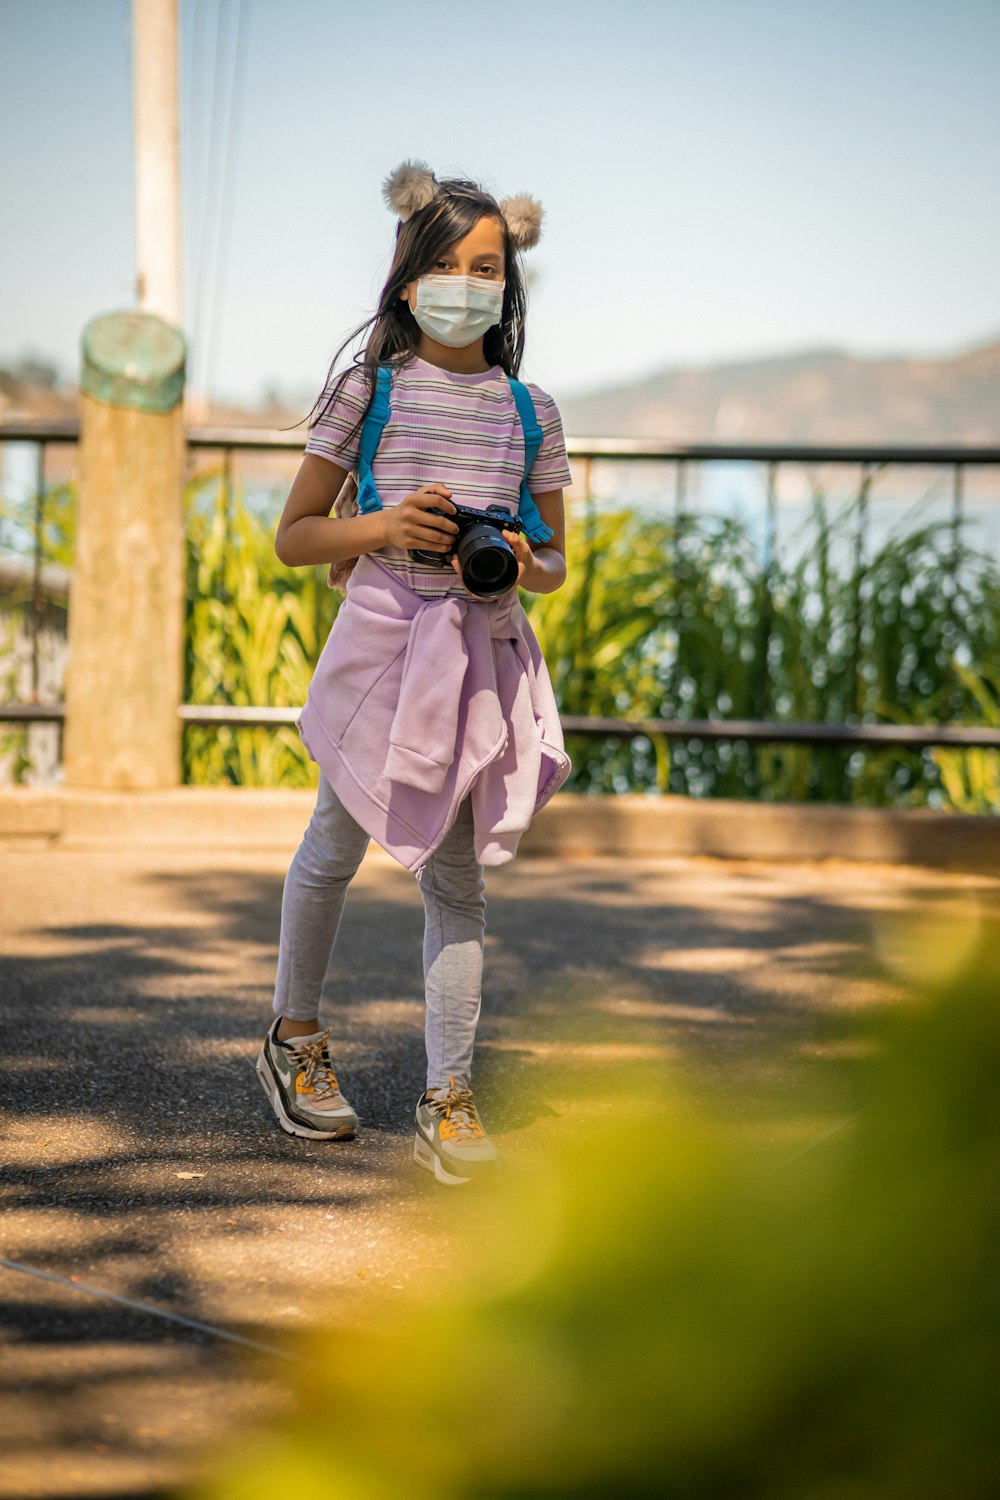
[455, 209]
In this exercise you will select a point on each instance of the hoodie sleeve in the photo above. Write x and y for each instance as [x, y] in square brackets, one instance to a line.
[423, 735]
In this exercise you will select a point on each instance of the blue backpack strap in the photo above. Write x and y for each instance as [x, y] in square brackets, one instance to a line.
[527, 510]
[371, 431]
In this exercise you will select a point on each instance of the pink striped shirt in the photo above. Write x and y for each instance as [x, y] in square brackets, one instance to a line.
[462, 431]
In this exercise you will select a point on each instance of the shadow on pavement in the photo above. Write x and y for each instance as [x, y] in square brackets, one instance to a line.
[141, 1156]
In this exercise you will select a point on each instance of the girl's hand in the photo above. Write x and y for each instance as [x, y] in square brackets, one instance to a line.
[408, 524]
[522, 551]
[521, 548]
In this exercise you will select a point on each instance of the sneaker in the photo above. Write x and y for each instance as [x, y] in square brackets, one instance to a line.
[301, 1086]
[450, 1140]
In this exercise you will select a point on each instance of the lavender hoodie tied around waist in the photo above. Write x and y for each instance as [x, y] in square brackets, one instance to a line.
[414, 701]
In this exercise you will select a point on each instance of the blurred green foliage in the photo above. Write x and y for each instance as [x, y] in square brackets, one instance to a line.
[681, 618]
[654, 1303]
[675, 617]
[254, 629]
[56, 544]
[971, 778]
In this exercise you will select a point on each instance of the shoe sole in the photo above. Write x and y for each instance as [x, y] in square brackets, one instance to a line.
[423, 1154]
[426, 1156]
[275, 1098]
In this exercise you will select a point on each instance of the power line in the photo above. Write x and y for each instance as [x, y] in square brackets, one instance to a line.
[192, 158]
[211, 191]
[229, 174]
[128, 44]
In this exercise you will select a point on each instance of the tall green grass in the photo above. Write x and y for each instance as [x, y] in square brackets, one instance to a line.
[680, 618]
[254, 629]
[56, 544]
[661, 617]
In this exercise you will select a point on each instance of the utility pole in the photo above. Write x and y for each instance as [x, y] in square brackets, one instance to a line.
[156, 125]
[125, 674]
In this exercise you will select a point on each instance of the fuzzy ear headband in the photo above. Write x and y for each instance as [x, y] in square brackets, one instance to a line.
[412, 186]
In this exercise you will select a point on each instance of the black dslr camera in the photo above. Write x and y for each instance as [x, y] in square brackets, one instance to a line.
[487, 560]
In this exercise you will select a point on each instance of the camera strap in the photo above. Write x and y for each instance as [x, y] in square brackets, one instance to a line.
[378, 415]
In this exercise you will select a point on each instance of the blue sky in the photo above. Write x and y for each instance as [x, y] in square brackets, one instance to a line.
[720, 178]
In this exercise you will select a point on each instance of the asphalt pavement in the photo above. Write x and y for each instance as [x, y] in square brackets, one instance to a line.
[140, 1160]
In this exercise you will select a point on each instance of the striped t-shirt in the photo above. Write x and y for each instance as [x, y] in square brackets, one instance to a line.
[461, 431]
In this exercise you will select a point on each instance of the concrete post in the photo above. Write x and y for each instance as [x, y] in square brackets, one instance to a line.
[126, 616]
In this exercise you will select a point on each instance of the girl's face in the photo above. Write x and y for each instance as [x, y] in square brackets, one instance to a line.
[480, 253]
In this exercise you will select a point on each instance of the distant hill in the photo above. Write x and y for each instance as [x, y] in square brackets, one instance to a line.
[816, 395]
[34, 390]
[31, 387]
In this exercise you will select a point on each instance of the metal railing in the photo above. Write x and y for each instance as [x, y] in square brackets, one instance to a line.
[870, 457]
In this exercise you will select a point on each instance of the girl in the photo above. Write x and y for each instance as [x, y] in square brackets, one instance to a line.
[430, 714]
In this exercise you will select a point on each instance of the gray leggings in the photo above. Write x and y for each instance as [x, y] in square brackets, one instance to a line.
[452, 887]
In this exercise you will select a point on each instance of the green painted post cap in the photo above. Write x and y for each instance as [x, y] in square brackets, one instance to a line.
[133, 359]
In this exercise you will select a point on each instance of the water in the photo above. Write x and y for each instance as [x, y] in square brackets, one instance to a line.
[902, 499]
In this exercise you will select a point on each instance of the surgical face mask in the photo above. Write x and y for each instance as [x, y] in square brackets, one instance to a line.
[457, 310]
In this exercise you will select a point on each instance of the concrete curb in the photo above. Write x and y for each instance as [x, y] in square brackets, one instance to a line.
[570, 826]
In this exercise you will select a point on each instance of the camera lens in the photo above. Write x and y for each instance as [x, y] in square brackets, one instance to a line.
[487, 560]
[488, 566]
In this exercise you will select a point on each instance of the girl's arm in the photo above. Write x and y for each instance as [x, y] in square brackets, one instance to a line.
[542, 570]
[307, 533]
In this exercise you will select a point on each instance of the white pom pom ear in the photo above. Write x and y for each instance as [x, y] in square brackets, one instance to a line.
[524, 219]
[409, 188]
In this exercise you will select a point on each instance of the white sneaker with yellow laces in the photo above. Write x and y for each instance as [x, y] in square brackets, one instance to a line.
[301, 1087]
[451, 1141]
